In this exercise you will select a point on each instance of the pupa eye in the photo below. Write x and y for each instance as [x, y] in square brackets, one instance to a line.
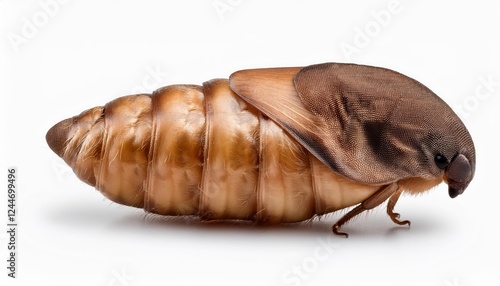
[441, 161]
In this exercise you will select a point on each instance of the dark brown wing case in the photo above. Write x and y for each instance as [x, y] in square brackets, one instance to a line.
[369, 124]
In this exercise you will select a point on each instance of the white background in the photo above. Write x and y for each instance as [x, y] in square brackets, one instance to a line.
[59, 58]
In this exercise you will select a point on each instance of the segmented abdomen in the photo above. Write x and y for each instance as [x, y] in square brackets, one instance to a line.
[201, 150]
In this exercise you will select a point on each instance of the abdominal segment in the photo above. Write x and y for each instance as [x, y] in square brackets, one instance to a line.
[203, 151]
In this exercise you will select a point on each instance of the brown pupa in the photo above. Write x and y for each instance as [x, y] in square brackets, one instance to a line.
[276, 145]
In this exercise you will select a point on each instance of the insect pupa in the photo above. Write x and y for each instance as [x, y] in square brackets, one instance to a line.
[273, 145]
